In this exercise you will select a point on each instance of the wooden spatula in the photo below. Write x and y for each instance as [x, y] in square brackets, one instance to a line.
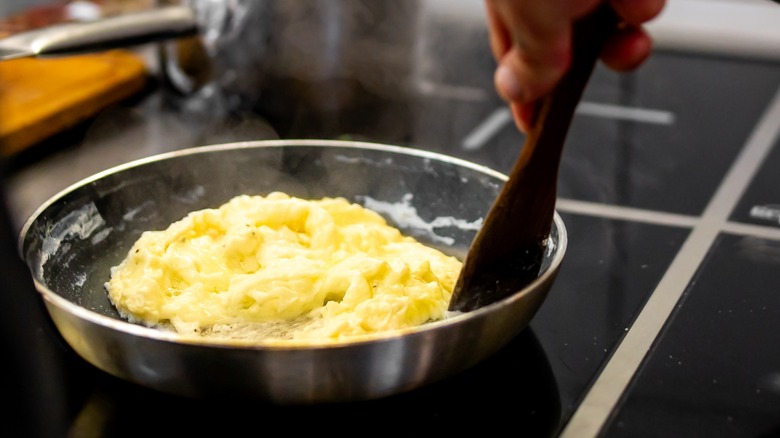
[507, 252]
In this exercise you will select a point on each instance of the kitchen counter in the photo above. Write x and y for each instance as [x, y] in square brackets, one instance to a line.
[664, 319]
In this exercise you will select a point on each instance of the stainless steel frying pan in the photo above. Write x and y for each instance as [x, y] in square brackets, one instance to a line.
[71, 242]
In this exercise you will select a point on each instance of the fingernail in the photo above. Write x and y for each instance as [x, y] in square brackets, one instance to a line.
[507, 84]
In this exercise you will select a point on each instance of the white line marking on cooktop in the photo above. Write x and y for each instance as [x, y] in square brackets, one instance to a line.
[565, 205]
[603, 397]
[619, 112]
[761, 231]
[501, 117]
[486, 130]
[455, 92]
[618, 212]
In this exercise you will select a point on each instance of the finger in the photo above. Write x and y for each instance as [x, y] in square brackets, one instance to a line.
[525, 74]
[540, 49]
[498, 33]
[523, 115]
[627, 48]
[579, 8]
[637, 12]
[532, 24]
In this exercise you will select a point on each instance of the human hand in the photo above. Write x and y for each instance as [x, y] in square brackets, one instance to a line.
[531, 41]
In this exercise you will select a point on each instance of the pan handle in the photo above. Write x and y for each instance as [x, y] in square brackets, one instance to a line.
[108, 33]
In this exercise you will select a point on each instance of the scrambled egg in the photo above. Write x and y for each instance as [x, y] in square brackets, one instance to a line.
[280, 267]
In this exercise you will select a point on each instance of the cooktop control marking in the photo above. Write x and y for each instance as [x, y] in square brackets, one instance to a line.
[769, 213]
[605, 393]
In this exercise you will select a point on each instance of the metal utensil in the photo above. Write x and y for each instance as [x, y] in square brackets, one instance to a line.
[326, 56]
[505, 255]
[109, 33]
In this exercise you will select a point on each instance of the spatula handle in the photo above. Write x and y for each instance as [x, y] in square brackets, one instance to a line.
[507, 251]
[540, 157]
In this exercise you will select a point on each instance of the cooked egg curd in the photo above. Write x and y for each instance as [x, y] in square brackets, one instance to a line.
[280, 267]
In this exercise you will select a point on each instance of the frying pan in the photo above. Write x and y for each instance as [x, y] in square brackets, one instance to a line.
[71, 242]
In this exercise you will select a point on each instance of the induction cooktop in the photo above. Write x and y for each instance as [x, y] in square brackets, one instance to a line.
[664, 319]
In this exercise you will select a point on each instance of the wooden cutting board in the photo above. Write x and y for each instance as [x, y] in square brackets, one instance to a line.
[41, 97]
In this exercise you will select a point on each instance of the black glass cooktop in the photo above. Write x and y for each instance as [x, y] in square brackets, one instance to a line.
[664, 319]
